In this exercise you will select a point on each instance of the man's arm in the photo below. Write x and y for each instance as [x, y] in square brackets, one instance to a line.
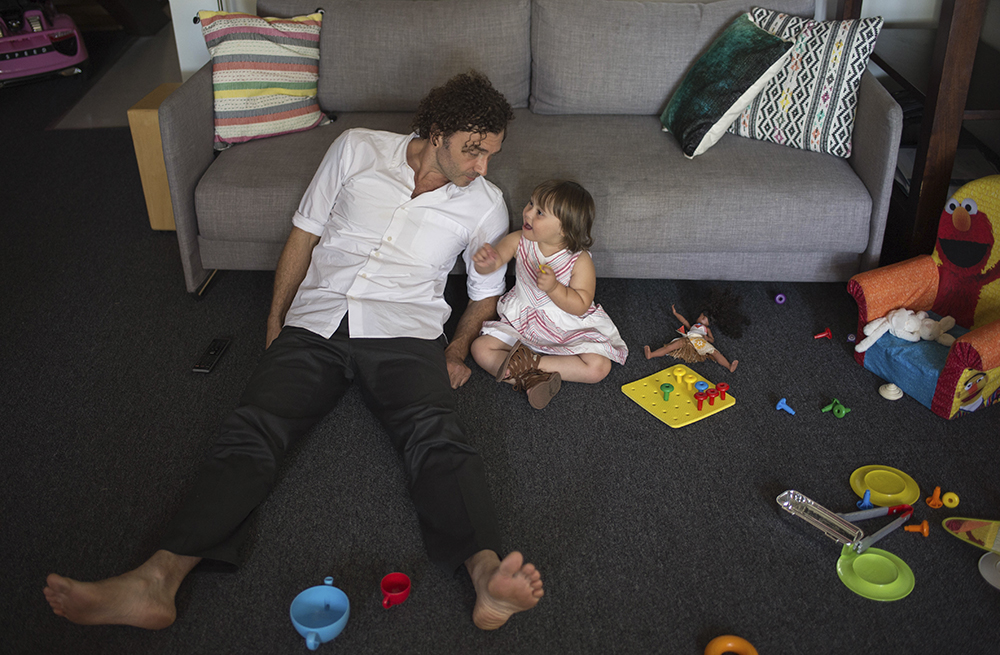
[468, 328]
[292, 267]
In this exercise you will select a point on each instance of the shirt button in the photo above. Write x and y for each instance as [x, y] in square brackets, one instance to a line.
[364, 275]
[388, 238]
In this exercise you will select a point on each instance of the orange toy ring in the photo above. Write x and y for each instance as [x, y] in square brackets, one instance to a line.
[730, 644]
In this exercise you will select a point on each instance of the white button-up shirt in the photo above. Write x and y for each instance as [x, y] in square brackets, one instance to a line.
[382, 255]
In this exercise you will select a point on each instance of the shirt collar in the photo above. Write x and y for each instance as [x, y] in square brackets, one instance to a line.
[399, 156]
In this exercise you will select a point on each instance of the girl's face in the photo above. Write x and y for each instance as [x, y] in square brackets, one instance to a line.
[702, 319]
[541, 225]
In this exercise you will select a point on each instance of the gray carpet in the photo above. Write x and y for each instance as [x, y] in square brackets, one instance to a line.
[650, 539]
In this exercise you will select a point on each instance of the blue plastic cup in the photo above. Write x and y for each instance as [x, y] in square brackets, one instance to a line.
[320, 613]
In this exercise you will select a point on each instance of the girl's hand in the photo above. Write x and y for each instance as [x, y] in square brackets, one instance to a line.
[546, 278]
[486, 259]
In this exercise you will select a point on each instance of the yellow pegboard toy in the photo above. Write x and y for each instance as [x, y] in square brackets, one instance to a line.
[681, 407]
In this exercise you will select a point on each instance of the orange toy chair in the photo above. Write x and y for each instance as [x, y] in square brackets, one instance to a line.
[961, 279]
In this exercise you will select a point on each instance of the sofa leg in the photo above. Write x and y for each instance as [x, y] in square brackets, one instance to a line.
[203, 288]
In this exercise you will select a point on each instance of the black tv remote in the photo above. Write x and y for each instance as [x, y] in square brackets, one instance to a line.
[211, 357]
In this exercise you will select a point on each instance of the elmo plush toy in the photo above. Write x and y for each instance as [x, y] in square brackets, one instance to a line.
[968, 256]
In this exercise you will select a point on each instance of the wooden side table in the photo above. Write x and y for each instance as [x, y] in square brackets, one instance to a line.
[144, 122]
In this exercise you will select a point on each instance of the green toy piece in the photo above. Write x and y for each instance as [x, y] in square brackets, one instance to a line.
[666, 389]
[838, 408]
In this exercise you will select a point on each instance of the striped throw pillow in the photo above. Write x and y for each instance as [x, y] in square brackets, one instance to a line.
[264, 74]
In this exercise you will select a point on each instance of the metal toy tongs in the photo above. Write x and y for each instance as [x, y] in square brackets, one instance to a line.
[839, 526]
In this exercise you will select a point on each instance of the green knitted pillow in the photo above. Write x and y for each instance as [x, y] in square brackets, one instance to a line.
[722, 83]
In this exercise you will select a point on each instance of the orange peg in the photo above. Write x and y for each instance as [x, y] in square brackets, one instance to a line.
[935, 500]
[922, 528]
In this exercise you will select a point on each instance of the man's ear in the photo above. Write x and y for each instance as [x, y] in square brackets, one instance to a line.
[435, 134]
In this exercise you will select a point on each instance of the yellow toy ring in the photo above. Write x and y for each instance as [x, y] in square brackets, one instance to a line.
[730, 644]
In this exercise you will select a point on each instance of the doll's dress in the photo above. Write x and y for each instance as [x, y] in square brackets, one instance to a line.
[696, 335]
[694, 346]
[527, 313]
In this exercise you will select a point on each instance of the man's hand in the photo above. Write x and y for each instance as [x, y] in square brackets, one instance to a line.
[458, 372]
[469, 324]
[273, 330]
[292, 267]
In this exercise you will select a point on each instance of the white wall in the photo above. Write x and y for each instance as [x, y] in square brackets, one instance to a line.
[191, 51]
[897, 12]
[914, 13]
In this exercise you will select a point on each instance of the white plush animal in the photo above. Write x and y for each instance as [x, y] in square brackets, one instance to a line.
[909, 325]
[932, 330]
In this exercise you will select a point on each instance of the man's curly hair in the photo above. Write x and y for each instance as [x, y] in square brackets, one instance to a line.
[465, 103]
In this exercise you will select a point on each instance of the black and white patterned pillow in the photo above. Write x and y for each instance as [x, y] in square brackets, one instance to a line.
[810, 103]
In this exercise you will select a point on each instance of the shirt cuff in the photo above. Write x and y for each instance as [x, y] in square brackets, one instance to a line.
[309, 225]
[480, 287]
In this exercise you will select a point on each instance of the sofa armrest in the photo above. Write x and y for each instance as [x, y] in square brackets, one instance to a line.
[187, 131]
[976, 350]
[985, 341]
[878, 123]
[912, 284]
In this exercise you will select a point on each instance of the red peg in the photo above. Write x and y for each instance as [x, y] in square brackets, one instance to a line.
[712, 395]
[825, 334]
[723, 388]
[700, 397]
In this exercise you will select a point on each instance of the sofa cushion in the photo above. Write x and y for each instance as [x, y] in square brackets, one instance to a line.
[721, 83]
[616, 57]
[264, 73]
[741, 197]
[385, 55]
[811, 102]
[250, 193]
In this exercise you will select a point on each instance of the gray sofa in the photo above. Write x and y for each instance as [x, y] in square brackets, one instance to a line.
[588, 80]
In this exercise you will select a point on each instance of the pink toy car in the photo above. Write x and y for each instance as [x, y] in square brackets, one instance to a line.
[36, 40]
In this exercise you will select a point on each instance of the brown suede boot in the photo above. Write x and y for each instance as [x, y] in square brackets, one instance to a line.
[540, 386]
[519, 359]
[522, 363]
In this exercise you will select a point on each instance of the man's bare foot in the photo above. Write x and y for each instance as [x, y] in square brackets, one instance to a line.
[143, 597]
[503, 588]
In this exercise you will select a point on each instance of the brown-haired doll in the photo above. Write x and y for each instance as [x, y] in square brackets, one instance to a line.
[696, 344]
[549, 329]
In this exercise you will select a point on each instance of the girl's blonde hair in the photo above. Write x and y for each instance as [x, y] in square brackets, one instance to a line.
[573, 206]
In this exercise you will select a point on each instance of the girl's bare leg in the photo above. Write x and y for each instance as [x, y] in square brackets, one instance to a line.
[489, 352]
[588, 367]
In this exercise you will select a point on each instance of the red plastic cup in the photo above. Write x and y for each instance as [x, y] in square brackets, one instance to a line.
[395, 589]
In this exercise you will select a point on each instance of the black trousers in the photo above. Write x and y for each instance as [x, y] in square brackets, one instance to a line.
[299, 379]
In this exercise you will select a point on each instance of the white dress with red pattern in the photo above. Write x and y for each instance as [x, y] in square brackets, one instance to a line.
[528, 314]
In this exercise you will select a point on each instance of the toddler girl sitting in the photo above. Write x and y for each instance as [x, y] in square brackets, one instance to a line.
[549, 328]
